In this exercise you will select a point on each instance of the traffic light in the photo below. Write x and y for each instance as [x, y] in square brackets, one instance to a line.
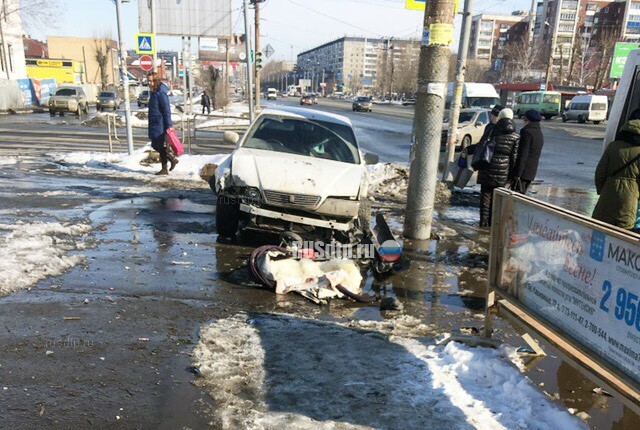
[258, 60]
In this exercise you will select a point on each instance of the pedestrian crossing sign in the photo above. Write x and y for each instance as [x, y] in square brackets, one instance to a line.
[145, 43]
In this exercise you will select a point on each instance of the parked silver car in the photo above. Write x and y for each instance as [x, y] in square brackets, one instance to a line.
[108, 100]
[471, 125]
[143, 98]
[69, 99]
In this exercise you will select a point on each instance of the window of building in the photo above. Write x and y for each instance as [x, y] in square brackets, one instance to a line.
[567, 16]
[606, 9]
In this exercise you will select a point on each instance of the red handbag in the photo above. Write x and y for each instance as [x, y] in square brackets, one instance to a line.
[174, 141]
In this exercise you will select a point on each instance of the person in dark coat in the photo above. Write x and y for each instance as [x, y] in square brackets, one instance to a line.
[504, 158]
[619, 192]
[529, 149]
[495, 111]
[160, 122]
[205, 101]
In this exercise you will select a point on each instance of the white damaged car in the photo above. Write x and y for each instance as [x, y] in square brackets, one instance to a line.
[295, 170]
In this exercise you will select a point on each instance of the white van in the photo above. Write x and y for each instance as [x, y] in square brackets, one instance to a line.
[586, 108]
[474, 95]
[272, 94]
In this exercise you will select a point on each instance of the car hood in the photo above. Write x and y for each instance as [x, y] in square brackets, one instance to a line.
[295, 174]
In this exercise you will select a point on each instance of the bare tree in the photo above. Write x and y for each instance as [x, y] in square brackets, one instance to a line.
[213, 82]
[586, 60]
[521, 57]
[405, 76]
[101, 53]
[35, 14]
[604, 44]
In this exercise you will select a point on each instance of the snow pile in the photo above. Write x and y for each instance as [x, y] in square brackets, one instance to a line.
[30, 252]
[388, 179]
[188, 168]
[392, 180]
[275, 371]
[223, 121]
[101, 120]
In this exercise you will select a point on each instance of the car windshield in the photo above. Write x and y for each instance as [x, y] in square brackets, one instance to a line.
[551, 98]
[463, 117]
[319, 139]
[66, 92]
[598, 106]
[362, 99]
[106, 94]
[484, 102]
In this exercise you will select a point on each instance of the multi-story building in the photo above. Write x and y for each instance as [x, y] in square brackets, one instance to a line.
[490, 33]
[631, 21]
[356, 62]
[12, 64]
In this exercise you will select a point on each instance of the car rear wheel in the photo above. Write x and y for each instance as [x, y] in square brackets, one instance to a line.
[596, 122]
[564, 118]
[548, 117]
[581, 119]
[519, 114]
[227, 216]
[52, 112]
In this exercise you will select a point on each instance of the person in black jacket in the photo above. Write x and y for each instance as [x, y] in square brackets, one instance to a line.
[495, 111]
[205, 101]
[504, 158]
[529, 149]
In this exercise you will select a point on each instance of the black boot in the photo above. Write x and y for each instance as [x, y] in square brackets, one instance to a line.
[164, 170]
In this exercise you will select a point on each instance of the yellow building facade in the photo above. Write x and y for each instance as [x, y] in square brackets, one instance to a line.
[63, 71]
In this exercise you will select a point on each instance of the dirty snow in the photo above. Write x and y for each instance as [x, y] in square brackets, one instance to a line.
[188, 168]
[268, 371]
[30, 252]
[388, 178]
[223, 121]
[8, 160]
[101, 119]
[465, 214]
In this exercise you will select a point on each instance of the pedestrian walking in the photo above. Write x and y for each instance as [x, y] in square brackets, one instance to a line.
[618, 177]
[205, 101]
[529, 150]
[160, 122]
[502, 162]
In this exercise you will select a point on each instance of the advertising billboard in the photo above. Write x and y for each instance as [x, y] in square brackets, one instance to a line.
[620, 54]
[192, 18]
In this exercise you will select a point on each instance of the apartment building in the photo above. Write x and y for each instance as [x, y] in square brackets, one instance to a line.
[357, 62]
[490, 33]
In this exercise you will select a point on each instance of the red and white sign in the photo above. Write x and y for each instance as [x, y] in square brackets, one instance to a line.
[146, 63]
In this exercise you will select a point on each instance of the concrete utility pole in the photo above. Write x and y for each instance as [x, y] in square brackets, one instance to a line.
[256, 5]
[226, 70]
[191, 78]
[432, 80]
[552, 48]
[152, 6]
[247, 45]
[454, 110]
[3, 48]
[184, 78]
[124, 77]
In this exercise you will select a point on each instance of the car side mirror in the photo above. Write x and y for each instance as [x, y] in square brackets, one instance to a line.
[230, 137]
[479, 124]
[370, 158]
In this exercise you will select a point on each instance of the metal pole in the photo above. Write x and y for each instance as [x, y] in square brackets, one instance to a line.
[184, 78]
[152, 6]
[191, 80]
[3, 49]
[432, 79]
[257, 49]
[454, 110]
[124, 77]
[247, 45]
[226, 71]
[84, 59]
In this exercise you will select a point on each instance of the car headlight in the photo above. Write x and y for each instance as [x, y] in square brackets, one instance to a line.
[252, 195]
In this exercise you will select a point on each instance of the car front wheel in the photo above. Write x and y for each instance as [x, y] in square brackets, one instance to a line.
[227, 215]
[596, 122]
[564, 118]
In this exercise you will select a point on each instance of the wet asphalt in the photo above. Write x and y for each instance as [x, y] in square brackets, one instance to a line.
[155, 272]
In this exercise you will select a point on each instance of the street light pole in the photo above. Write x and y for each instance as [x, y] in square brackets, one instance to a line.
[454, 109]
[247, 45]
[124, 77]
[152, 6]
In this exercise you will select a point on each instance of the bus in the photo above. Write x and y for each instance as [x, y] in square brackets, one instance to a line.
[474, 95]
[545, 102]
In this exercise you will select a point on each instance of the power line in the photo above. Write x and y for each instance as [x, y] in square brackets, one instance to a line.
[335, 19]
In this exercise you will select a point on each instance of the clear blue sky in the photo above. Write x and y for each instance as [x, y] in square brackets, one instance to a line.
[286, 24]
